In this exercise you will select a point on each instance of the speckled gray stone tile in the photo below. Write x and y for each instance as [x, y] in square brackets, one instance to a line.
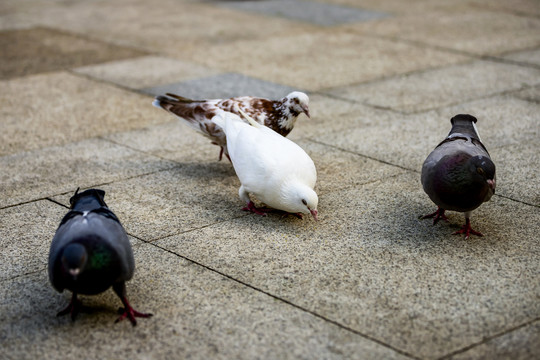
[407, 140]
[59, 108]
[36, 50]
[187, 197]
[441, 87]
[371, 265]
[520, 344]
[198, 314]
[321, 59]
[310, 11]
[27, 231]
[223, 86]
[527, 56]
[530, 94]
[165, 26]
[37, 174]
[518, 169]
[146, 71]
[475, 30]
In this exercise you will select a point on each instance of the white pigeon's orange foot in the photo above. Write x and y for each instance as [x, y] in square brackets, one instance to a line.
[467, 230]
[259, 211]
[437, 215]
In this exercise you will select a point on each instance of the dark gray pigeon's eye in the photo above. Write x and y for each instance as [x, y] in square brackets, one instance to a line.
[480, 171]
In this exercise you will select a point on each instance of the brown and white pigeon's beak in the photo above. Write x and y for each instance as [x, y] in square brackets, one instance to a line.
[306, 110]
[314, 213]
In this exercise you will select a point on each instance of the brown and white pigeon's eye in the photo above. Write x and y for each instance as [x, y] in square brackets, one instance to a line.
[480, 171]
[304, 202]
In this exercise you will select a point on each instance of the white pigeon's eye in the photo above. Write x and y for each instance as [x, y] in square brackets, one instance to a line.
[304, 202]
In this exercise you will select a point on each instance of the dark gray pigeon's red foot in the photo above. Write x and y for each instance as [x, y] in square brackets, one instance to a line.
[467, 230]
[437, 215]
[127, 310]
[73, 308]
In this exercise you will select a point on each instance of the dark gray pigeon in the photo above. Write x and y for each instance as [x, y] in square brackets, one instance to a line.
[459, 175]
[90, 252]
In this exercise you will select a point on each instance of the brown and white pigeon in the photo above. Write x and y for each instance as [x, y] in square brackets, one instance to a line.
[459, 175]
[278, 115]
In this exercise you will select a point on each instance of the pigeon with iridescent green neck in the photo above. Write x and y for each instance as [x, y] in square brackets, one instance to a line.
[90, 252]
[459, 175]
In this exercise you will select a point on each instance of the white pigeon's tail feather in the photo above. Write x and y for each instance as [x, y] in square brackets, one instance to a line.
[248, 118]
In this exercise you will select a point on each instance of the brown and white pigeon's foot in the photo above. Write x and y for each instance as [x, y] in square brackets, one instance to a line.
[467, 230]
[73, 308]
[437, 215]
[259, 211]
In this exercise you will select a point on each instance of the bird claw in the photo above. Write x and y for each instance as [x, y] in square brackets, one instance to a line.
[437, 215]
[467, 230]
[259, 211]
[72, 309]
[131, 314]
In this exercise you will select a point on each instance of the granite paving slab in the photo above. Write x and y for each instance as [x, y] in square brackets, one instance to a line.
[146, 71]
[518, 169]
[475, 31]
[314, 12]
[441, 87]
[33, 175]
[409, 141]
[27, 231]
[244, 323]
[520, 344]
[296, 59]
[37, 50]
[223, 86]
[59, 108]
[165, 26]
[530, 94]
[371, 265]
[527, 56]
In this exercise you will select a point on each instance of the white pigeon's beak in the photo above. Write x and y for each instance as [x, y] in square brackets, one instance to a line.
[306, 110]
[314, 213]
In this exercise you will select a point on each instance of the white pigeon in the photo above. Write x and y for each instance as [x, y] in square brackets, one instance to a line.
[271, 167]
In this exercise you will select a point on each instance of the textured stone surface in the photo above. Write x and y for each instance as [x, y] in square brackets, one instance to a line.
[309, 11]
[38, 50]
[435, 88]
[475, 31]
[297, 59]
[37, 174]
[529, 57]
[214, 318]
[370, 264]
[59, 108]
[27, 231]
[223, 86]
[145, 71]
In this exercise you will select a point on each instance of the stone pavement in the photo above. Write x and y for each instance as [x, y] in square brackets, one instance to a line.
[369, 280]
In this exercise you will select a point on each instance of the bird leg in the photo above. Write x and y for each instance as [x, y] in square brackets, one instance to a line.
[467, 230]
[127, 310]
[73, 308]
[259, 211]
[437, 215]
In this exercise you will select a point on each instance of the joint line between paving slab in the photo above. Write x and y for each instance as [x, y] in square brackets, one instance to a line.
[487, 339]
[368, 337]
